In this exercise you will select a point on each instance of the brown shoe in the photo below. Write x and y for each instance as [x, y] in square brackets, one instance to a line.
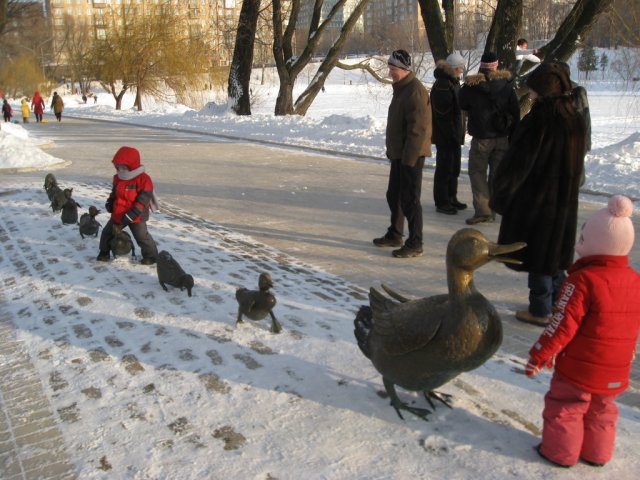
[527, 317]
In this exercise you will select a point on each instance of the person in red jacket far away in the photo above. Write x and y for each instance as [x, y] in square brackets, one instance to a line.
[591, 338]
[129, 203]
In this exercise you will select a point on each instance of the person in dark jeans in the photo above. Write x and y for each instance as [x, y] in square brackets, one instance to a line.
[408, 141]
[480, 93]
[448, 133]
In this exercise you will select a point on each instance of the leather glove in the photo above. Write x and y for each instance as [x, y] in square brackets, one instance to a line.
[533, 366]
[109, 206]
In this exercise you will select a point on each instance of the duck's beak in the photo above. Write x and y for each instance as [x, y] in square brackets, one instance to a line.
[497, 251]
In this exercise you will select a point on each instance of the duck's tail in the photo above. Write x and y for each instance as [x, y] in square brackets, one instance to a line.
[363, 324]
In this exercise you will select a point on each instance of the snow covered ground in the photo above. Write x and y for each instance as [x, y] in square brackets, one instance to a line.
[150, 384]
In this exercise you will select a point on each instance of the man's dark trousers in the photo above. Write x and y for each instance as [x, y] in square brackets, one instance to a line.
[403, 198]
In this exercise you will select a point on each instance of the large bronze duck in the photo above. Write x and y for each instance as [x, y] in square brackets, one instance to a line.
[422, 344]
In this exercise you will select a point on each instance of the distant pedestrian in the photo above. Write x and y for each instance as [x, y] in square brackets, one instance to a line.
[37, 103]
[26, 111]
[408, 141]
[7, 111]
[592, 341]
[493, 114]
[57, 105]
[524, 53]
[129, 203]
[448, 133]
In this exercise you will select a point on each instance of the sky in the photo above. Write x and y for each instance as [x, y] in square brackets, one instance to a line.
[148, 384]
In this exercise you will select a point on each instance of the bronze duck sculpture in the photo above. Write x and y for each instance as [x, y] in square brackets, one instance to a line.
[257, 304]
[422, 344]
[88, 224]
[171, 273]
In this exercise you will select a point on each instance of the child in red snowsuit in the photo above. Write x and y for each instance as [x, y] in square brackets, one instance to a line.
[129, 204]
[591, 337]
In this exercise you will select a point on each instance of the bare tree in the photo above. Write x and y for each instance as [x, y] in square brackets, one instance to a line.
[289, 65]
[506, 24]
[76, 47]
[150, 53]
[240, 72]
[11, 10]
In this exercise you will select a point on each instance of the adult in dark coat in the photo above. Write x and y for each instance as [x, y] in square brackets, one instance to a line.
[448, 133]
[478, 96]
[536, 188]
[408, 141]
[57, 105]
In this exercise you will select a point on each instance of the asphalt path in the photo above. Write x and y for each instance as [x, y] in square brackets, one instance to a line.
[321, 209]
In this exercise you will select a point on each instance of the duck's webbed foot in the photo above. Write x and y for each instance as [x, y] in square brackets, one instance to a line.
[275, 324]
[398, 404]
[443, 398]
[239, 319]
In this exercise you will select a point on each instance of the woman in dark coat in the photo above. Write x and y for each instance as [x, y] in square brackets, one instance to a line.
[536, 188]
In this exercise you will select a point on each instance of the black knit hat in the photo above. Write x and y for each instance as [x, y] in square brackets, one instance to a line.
[549, 80]
[489, 61]
[400, 59]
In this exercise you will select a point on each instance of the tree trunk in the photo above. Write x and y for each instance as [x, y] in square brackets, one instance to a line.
[307, 97]
[436, 30]
[577, 25]
[119, 98]
[289, 65]
[284, 102]
[240, 72]
[504, 29]
[138, 101]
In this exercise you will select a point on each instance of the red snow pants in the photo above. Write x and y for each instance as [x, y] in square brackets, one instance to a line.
[577, 425]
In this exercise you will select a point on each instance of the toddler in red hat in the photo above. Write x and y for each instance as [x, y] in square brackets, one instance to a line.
[129, 204]
[591, 338]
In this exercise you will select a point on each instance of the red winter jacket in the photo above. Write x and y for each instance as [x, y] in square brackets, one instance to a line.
[595, 323]
[130, 197]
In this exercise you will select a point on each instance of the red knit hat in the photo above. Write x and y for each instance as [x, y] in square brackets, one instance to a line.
[127, 156]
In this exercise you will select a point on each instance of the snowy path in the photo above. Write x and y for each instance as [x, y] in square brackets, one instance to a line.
[144, 383]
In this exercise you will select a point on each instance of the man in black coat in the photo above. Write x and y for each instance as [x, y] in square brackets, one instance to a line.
[448, 133]
[483, 96]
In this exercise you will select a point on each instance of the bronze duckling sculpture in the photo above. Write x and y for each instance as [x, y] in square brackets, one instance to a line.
[422, 344]
[257, 304]
[121, 243]
[50, 185]
[170, 272]
[88, 224]
[69, 215]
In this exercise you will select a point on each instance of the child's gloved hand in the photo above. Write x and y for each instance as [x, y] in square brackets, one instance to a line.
[108, 206]
[534, 366]
[129, 217]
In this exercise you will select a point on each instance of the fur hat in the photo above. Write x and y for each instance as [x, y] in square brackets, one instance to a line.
[455, 60]
[549, 80]
[608, 231]
[127, 156]
[489, 61]
[400, 59]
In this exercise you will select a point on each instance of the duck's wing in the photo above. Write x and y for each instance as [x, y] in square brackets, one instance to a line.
[407, 326]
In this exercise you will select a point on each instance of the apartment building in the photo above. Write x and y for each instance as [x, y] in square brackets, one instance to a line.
[217, 18]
